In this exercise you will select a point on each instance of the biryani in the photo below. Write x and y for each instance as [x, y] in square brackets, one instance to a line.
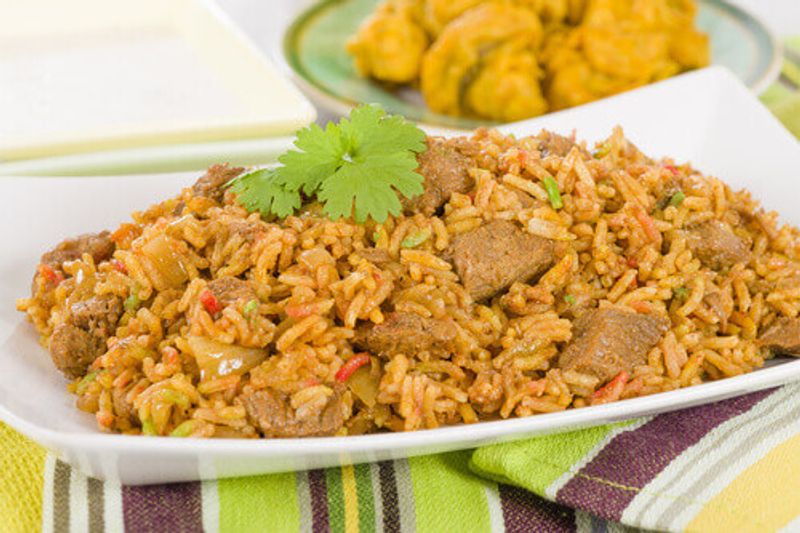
[507, 60]
[532, 275]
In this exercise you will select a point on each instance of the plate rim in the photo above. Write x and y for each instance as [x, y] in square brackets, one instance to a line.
[342, 104]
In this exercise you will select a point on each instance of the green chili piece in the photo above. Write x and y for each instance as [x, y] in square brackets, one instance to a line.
[132, 302]
[250, 307]
[416, 238]
[677, 199]
[84, 383]
[553, 195]
[184, 429]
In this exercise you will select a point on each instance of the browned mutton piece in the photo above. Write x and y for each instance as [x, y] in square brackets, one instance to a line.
[98, 245]
[212, 183]
[228, 290]
[408, 334]
[492, 257]
[782, 336]
[554, 144]
[445, 170]
[716, 246]
[606, 342]
[75, 344]
[272, 413]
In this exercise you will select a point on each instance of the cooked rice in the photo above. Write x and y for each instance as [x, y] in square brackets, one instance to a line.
[313, 290]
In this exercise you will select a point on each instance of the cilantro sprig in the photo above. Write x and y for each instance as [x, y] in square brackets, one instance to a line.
[355, 168]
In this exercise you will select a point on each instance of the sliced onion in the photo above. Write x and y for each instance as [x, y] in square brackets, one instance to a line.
[167, 261]
[364, 383]
[217, 359]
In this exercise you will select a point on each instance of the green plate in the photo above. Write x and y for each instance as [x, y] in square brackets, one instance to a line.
[314, 47]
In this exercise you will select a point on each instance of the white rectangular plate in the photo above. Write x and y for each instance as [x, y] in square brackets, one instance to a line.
[707, 117]
[89, 75]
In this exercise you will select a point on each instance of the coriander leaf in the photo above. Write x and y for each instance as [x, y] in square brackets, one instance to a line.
[321, 154]
[261, 191]
[371, 132]
[370, 186]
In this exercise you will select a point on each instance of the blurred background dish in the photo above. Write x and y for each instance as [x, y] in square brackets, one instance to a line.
[315, 47]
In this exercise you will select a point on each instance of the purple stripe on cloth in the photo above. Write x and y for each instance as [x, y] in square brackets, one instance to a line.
[389, 497]
[176, 507]
[318, 488]
[523, 512]
[608, 483]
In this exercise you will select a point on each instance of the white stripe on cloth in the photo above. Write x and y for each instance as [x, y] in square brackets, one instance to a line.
[375, 479]
[405, 496]
[112, 507]
[492, 494]
[47, 493]
[552, 490]
[210, 498]
[78, 502]
[303, 500]
[691, 469]
[583, 522]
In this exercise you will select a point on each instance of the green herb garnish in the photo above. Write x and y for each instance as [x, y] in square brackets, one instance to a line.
[250, 307]
[677, 199]
[132, 302]
[148, 427]
[570, 299]
[356, 167]
[184, 429]
[84, 383]
[680, 293]
[602, 150]
[553, 195]
[416, 238]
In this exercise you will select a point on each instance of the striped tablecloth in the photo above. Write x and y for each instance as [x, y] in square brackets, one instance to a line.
[729, 466]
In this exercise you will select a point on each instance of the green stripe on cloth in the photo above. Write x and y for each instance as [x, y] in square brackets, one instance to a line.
[336, 511]
[504, 463]
[249, 503]
[446, 495]
[366, 501]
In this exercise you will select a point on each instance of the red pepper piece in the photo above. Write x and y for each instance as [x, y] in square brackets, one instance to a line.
[351, 365]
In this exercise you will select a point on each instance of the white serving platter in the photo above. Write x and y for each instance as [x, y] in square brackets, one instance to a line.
[97, 75]
[708, 117]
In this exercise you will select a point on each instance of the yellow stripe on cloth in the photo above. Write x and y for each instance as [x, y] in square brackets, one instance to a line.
[350, 499]
[762, 490]
[21, 476]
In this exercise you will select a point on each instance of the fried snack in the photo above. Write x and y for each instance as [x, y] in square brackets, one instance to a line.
[495, 36]
[620, 45]
[513, 59]
[390, 44]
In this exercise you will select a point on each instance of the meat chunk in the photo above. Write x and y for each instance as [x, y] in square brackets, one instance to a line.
[98, 245]
[73, 349]
[228, 289]
[97, 315]
[782, 336]
[607, 341]
[122, 407]
[717, 246]
[554, 144]
[211, 183]
[408, 333]
[492, 257]
[446, 171]
[273, 413]
[76, 343]
[376, 256]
